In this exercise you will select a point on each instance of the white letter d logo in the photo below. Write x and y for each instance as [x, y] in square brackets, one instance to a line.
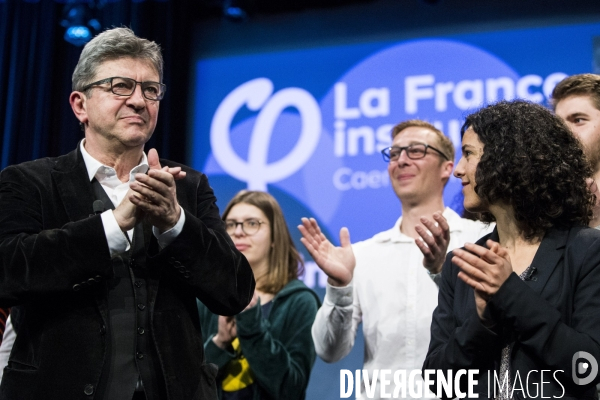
[580, 368]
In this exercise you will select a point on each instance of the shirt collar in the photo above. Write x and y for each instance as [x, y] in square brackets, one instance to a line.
[395, 235]
[95, 167]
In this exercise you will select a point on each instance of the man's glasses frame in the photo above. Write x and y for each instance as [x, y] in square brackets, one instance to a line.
[414, 151]
[160, 88]
[247, 225]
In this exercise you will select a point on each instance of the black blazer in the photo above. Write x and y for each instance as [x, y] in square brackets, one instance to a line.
[49, 243]
[551, 315]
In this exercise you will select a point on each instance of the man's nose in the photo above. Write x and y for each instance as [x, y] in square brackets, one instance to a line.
[137, 97]
[403, 158]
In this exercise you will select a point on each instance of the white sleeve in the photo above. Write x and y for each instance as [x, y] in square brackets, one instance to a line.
[7, 343]
[334, 329]
[115, 237]
[166, 238]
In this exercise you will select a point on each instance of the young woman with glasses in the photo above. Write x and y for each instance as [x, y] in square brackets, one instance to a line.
[522, 305]
[265, 352]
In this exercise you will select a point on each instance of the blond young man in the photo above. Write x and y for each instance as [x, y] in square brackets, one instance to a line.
[381, 281]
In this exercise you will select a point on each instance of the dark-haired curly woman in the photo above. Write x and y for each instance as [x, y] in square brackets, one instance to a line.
[522, 305]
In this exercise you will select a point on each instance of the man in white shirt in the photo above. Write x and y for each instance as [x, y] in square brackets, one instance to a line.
[576, 100]
[389, 291]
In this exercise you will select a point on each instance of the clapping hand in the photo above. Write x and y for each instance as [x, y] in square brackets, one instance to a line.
[484, 269]
[433, 242]
[337, 262]
[227, 331]
[151, 196]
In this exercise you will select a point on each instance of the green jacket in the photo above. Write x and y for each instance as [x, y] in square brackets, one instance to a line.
[279, 350]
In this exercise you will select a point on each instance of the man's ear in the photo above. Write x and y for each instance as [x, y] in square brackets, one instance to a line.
[78, 102]
[447, 168]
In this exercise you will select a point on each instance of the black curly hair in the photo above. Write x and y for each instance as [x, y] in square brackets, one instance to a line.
[531, 161]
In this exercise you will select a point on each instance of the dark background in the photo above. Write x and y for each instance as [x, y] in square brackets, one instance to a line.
[36, 63]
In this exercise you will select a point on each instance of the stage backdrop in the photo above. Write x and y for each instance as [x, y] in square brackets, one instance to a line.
[308, 125]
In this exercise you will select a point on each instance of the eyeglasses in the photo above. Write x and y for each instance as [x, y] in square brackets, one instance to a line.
[126, 86]
[249, 226]
[414, 152]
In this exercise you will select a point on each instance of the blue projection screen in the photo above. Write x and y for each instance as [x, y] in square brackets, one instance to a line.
[308, 125]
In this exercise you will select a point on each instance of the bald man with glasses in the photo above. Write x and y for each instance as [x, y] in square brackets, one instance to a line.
[381, 281]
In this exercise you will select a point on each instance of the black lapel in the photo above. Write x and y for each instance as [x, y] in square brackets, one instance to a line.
[73, 185]
[548, 256]
[77, 195]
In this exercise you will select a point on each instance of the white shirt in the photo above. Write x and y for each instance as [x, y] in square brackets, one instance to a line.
[7, 344]
[393, 296]
[116, 191]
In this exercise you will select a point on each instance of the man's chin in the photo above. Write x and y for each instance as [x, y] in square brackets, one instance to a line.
[592, 153]
[136, 138]
[407, 194]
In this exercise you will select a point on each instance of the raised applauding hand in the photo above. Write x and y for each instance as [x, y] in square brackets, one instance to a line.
[433, 242]
[337, 262]
[484, 269]
[152, 196]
